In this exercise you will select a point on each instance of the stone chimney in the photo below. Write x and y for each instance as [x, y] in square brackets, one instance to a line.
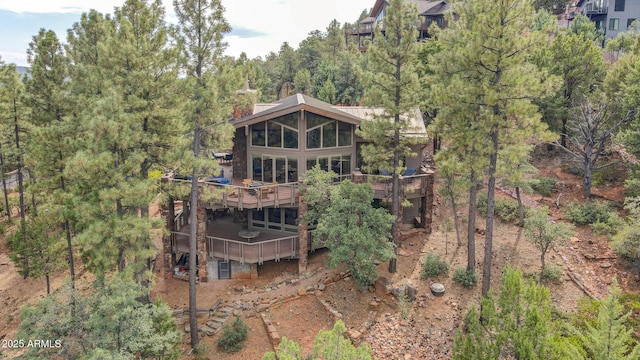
[245, 101]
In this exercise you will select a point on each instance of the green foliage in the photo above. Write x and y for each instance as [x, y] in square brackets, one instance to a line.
[516, 325]
[544, 186]
[331, 344]
[355, 232]
[551, 273]
[588, 212]
[316, 189]
[328, 345]
[505, 208]
[611, 226]
[608, 337]
[464, 277]
[109, 322]
[433, 266]
[43, 247]
[543, 233]
[232, 337]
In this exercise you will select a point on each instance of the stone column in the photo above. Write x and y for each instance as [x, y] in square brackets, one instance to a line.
[202, 241]
[168, 257]
[427, 204]
[303, 237]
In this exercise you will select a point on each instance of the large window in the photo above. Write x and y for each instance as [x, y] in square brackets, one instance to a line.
[281, 132]
[268, 168]
[323, 132]
[619, 5]
[281, 219]
[614, 24]
[630, 22]
[340, 164]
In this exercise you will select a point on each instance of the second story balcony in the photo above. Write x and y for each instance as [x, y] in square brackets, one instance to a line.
[249, 194]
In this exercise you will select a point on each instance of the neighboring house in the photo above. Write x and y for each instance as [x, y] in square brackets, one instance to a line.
[611, 16]
[429, 12]
[255, 218]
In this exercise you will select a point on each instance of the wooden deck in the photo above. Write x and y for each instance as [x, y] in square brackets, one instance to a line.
[237, 195]
[224, 242]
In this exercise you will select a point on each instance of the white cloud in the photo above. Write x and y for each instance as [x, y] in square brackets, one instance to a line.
[276, 20]
[13, 58]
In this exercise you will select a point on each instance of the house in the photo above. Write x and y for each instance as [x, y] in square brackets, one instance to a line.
[429, 12]
[253, 217]
[611, 16]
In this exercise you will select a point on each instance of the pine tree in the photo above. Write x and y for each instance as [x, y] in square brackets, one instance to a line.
[544, 234]
[207, 93]
[391, 82]
[355, 232]
[13, 115]
[516, 325]
[47, 94]
[488, 52]
[608, 338]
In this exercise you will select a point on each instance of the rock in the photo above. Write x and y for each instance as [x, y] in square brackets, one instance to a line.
[302, 291]
[327, 281]
[187, 328]
[271, 328]
[382, 286]
[589, 256]
[321, 286]
[374, 305]
[214, 325]
[403, 252]
[605, 265]
[275, 337]
[237, 312]
[262, 307]
[207, 330]
[354, 334]
[219, 320]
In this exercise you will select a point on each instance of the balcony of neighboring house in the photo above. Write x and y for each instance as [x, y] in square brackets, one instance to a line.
[596, 9]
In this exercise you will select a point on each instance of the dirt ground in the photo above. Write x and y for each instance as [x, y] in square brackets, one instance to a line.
[424, 329]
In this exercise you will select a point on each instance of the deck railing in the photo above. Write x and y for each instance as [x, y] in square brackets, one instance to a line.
[179, 220]
[276, 195]
[256, 252]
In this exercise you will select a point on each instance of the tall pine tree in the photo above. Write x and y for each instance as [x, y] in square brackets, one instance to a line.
[488, 53]
[207, 88]
[391, 82]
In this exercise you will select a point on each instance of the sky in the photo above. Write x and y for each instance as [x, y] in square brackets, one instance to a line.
[259, 26]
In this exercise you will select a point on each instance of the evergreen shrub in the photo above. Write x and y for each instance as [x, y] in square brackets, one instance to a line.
[544, 186]
[464, 277]
[551, 273]
[433, 266]
[232, 337]
[506, 209]
[588, 213]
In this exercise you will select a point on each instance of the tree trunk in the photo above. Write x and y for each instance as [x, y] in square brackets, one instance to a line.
[67, 230]
[471, 226]
[32, 180]
[587, 180]
[488, 247]
[454, 208]
[4, 187]
[520, 208]
[395, 207]
[542, 255]
[48, 284]
[23, 224]
[193, 238]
